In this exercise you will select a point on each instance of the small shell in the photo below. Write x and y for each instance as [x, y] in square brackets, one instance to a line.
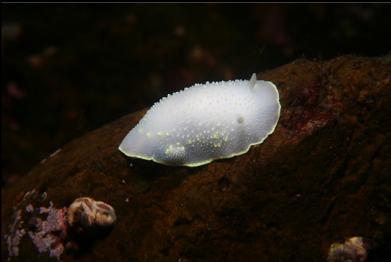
[88, 212]
[205, 122]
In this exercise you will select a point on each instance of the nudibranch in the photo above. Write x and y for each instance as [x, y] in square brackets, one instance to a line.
[205, 122]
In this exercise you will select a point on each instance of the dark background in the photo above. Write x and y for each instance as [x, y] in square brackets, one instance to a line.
[70, 68]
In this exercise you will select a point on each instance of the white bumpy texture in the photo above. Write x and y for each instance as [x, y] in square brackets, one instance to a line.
[205, 122]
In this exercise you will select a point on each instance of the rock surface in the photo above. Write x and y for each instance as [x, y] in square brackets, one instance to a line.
[323, 175]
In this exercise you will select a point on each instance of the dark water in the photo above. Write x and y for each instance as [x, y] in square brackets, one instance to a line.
[70, 68]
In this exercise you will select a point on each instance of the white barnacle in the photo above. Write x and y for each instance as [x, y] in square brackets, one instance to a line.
[247, 110]
[88, 212]
[353, 249]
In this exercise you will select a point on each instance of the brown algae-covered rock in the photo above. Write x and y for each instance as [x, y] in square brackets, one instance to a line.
[323, 175]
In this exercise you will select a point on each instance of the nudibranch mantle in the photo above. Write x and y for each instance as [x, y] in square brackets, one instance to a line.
[205, 122]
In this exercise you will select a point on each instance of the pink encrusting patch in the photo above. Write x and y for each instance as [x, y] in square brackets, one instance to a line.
[46, 226]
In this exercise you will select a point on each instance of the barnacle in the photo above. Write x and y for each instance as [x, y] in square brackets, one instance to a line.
[353, 249]
[88, 212]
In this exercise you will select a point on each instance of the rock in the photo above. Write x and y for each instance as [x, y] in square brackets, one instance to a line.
[323, 175]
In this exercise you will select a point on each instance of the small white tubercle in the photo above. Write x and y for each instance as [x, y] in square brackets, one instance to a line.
[205, 122]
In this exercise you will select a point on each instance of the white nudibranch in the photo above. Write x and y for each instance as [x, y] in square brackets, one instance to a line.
[205, 122]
